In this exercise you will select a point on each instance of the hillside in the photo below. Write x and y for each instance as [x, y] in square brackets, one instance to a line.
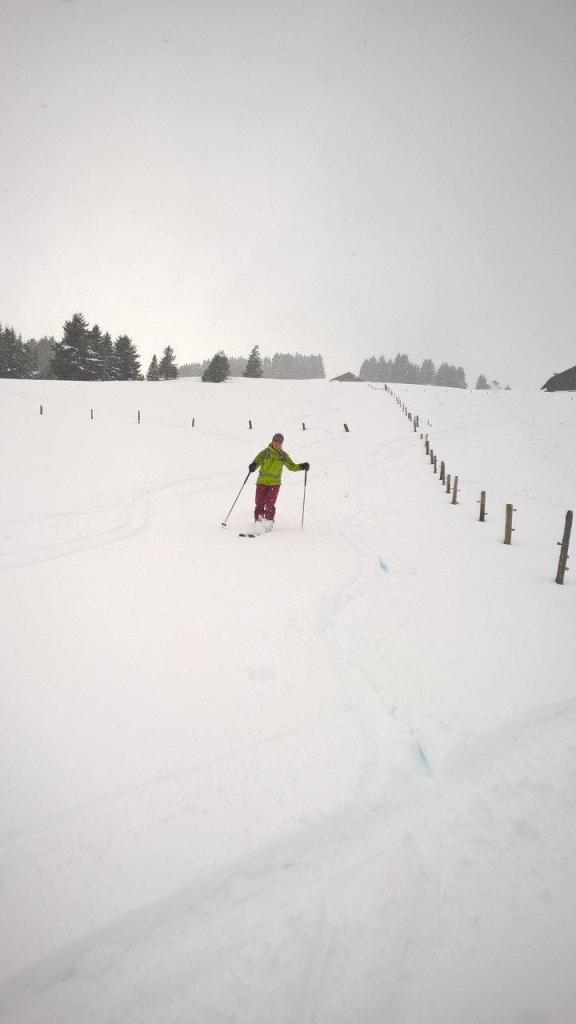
[326, 775]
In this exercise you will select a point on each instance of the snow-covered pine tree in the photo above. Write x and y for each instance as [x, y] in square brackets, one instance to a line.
[167, 368]
[94, 354]
[126, 358]
[69, 361]
[16, 359]
[254, 364]
[218, 370]
[107, 360]
[153, 371]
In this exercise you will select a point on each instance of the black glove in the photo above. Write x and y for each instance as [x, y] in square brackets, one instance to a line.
[305, 465]
[253, 466]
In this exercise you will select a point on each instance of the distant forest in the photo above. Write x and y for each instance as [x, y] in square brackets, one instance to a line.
[88, 353]
[83, 353]
[282, 366]
[401, 371]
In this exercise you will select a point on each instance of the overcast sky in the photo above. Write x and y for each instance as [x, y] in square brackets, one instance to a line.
[336, 176]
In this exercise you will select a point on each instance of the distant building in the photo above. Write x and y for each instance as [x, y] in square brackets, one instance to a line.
[348, 377]
[565, 381]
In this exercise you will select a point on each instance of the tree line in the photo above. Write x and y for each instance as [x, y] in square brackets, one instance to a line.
[281, 366]
[401, 371]
[83, 353]
[23, 359]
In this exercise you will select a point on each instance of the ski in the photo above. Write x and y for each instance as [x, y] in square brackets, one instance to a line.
[259, 533]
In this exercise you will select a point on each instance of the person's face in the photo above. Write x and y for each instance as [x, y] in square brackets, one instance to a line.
[277, 445]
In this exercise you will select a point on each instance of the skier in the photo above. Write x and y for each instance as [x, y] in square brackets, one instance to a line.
[271, 462]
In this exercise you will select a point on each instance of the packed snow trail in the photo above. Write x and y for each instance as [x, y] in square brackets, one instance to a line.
[245, 783]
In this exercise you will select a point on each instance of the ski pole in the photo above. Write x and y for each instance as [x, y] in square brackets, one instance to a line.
[304, 498]
[225, 523]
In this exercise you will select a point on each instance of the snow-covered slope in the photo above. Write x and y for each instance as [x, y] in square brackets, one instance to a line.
[325, 775]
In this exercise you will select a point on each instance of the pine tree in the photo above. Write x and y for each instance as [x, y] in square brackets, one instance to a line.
[218, 370]
[427, 372]
[254, 364]
[108, 367]
[44, 350]
[69, 361]
[460, 378]
[443, 377]
[94, 370]
[482, 384]
[167, 368]
[15, 359]
[153, 371]
[126, 358]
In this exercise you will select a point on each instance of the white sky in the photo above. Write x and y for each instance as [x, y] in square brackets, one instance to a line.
[351, 178]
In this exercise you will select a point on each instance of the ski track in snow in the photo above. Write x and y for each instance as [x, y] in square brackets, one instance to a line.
[342, 918]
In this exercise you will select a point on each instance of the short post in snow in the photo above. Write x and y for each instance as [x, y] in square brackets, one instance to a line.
[455, 491]
[193, 420]
[431, 457]
[41, 410]
[249, 424]
[564, 544]
[442, 472]
[303, 426]
[138, 415]
[509, 529]
[448, 483]
[427, 445]
[482, 506]
[346, 428]
[435, 464]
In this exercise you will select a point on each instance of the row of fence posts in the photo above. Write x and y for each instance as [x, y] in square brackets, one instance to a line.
[452, 487]
[346, 427]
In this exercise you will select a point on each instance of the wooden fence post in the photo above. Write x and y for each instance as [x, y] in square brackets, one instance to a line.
[41, 410]
[448, 483]
[346, 428]
[303, 426]
[482, 506]
[455, 491]
[562, 567]
[138, 415]
[427, 445]
[91, 414]
[250, 424]
[435, 464]
[509, 529]
[442, 472]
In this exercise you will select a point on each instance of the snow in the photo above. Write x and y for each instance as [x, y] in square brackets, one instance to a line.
[327, 775]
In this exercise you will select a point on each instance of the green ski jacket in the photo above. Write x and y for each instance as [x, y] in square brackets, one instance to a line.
[271, 464]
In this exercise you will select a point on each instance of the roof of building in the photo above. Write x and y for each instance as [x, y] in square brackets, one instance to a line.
[565, 381]
[348, 377]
